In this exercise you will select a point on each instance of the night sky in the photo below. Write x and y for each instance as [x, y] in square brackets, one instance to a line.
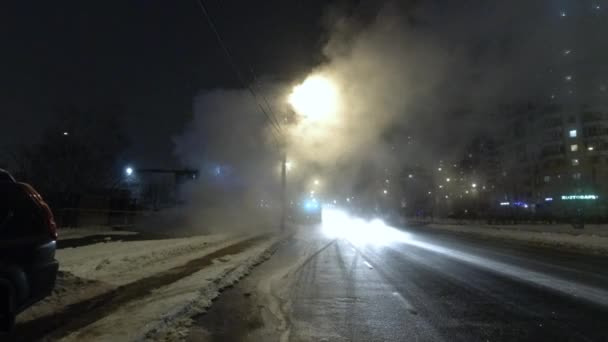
[152, 57]
[149, 56]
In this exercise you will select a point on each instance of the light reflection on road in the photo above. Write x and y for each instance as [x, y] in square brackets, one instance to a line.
[339, 224]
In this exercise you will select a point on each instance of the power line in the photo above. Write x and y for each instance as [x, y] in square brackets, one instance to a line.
[271, 119]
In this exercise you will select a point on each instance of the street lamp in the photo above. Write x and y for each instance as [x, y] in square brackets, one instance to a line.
[288, 165]
[315, 99]
[129, 171]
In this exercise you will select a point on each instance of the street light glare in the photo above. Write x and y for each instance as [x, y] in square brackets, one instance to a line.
[316, 98]
[129, 171]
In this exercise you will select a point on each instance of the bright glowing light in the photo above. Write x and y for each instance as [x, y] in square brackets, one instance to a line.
[505, 204]
[447, 179]
[311, 204]
[385, 191]
[316, 98]
[474, 185]
[338, 224]
[316, 182]
[129, 171]
[66, 134]
[548, 199]
[288, 165]
[579, 197]
[590, 148]
[410, 176]
[439, 169]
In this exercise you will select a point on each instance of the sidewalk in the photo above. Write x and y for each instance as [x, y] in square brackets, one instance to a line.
[127, 289]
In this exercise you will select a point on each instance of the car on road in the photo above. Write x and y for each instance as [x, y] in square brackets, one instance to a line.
[28, 235]
[307, 211]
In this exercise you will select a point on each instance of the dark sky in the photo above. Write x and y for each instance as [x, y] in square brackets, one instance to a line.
[152, 57]
[149, 56]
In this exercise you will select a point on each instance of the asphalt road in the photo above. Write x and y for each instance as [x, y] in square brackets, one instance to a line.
[427, 287]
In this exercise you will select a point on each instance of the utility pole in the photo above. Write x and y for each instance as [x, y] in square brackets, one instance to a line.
[283, 190]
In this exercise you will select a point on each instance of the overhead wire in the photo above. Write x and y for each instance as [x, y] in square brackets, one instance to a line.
[269, 116]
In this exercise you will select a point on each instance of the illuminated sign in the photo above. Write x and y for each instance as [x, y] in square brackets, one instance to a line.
[504, 203]
[579, 197]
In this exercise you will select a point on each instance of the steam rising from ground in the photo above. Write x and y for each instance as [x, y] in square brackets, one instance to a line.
[407, 91]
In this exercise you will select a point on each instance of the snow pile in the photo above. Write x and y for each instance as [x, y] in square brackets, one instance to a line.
[592, 239]
[119, 262]
[165, 313]
[92, 270]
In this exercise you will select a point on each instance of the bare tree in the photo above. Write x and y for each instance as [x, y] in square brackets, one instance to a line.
[77, 154]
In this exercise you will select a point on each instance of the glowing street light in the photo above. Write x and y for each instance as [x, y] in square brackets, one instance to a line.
[474, 185]
[129, 171]
[288, 165]
[316, 98]
[316, 182]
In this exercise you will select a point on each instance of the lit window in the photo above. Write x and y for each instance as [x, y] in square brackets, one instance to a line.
[547, 179]
[576, 176]
[572, 133]
[575, 162]
[574, 147]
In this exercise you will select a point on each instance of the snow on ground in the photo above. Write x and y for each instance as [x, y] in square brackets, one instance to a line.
[91, 270]
[166, 313]
[118, 263]
[593, 238]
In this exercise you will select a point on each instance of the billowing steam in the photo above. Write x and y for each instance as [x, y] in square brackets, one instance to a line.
[393, 92]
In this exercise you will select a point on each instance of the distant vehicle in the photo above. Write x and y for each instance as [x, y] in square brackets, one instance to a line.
[28, 235]
[307, 211]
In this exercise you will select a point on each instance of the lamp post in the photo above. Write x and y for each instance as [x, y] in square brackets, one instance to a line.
[314, 100]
